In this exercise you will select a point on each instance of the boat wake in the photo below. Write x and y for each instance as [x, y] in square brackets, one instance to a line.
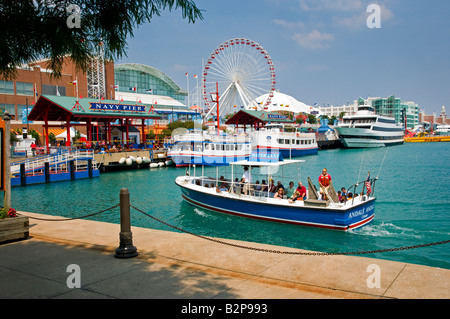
[387, 230]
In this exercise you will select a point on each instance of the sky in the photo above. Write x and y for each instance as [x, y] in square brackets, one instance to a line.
[324, 51]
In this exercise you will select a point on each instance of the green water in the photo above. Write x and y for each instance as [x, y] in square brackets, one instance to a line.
[412, 207]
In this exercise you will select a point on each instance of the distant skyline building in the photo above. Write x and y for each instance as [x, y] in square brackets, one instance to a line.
[386, 106]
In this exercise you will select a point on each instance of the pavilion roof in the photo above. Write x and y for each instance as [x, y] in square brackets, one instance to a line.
[62, 108]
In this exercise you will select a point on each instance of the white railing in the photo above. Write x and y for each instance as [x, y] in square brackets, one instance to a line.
[57, 163]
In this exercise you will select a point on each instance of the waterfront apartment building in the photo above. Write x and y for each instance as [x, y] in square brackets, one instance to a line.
[390, 106]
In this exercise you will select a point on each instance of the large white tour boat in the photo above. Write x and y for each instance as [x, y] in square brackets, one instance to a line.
[367, 129]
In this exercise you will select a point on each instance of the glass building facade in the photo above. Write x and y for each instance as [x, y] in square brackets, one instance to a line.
[144, 79]
[393, 107]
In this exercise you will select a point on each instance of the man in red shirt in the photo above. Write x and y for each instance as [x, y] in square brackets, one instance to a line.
[325, 181]
[302, 190]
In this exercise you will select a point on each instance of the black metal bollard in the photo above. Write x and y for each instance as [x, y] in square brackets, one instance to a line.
[126, 248]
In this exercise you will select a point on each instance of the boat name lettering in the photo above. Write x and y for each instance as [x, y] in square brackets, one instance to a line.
[117, 107]
[265, 155]
[361, 211]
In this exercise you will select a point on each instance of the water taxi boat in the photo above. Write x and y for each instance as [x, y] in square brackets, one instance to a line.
[259, 204]
[424, 138]
[367, 129]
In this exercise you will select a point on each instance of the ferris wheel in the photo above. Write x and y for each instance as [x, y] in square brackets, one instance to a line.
[239, 70]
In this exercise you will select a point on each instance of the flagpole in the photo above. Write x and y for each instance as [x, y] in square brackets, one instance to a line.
[187, 80]
[78, 97]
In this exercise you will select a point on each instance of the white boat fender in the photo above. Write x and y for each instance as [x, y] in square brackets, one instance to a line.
[146, 160]
[129, 161]
[122, 161]
[161, 164]
[154, 165]
[139, 160]
[132, 158]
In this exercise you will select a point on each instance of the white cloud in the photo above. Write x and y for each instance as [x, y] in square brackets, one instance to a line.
[339, 5]
[179, 67]
[313, 40]
[287, 24]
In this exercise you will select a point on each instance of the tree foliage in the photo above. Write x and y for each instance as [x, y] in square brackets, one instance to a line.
[35, 29]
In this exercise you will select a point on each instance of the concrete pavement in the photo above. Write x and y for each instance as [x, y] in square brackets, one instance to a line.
[181, 266]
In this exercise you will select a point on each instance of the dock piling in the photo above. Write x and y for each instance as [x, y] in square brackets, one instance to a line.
[126, 248]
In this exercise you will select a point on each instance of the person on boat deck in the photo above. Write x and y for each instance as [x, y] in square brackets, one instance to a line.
[290, 190]
[325, 181]
[222, 188]
[263, 186]
[279, 194]
[222, 182]
[344, 195]
[246, 180]
[301, 190]
[279, 185]
[350, 196]
[271, 186]
[297, 196]
[257, 186]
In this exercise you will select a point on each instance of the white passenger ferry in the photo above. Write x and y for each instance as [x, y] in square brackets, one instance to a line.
[274, 137]
[367, 129]
[206, 148]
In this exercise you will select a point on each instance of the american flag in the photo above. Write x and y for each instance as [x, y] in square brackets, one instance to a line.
[368, 186]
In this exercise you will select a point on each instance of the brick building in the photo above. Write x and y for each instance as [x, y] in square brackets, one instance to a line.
[35, 79]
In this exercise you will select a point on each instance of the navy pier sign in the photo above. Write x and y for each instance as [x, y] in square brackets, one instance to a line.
[116, 107]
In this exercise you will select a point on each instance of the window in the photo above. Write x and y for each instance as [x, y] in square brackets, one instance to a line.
[24, 88]
[53, 90]
[6, 87]
[10, 108]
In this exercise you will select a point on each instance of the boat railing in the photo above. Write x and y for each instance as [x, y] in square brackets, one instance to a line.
[364, 187]
[254, 190]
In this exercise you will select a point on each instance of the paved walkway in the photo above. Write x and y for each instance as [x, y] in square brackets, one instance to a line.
[180, 266]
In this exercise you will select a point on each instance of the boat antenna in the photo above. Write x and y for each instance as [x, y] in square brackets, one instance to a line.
[382, 163]
[360, 168]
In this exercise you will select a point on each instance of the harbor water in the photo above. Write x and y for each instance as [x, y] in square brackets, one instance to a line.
[412, 207]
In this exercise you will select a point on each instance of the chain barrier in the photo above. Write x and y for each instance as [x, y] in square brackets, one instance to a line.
[74, 218]
[247, 247]
[290, 252]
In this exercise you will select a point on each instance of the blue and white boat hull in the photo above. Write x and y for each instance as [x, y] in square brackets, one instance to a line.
[335, 216]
